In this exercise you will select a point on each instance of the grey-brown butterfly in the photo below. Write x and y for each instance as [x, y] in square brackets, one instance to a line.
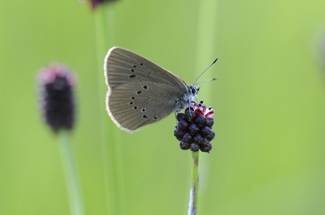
[141, 92]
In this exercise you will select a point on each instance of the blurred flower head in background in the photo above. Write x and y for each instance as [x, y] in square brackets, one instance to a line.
[95, 3]
[56, 95]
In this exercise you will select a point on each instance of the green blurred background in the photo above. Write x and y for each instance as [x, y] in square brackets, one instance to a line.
[269, 99]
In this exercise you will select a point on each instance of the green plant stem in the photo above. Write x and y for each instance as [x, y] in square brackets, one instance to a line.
[104, 40]
[192, 207]
[72, 182]
[205, 52]
[206, 37]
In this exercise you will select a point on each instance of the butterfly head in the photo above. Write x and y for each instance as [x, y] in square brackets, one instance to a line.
[192, 92]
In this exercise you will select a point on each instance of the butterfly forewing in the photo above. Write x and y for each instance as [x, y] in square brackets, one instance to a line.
[123, 66]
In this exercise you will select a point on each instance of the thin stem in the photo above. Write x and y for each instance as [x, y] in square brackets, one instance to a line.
[192, 207]
[104, 20]
[71, 176]
[101, 30]
[206, 43]
[206, 37]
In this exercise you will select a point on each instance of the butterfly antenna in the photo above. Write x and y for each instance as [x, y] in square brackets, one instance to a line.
[211, 79]
[195, 82]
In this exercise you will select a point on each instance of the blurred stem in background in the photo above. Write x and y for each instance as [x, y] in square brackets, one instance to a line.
[104, 15]
[73, 185]
[206, 43]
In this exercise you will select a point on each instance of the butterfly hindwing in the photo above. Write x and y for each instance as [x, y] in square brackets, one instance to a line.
[134, 105]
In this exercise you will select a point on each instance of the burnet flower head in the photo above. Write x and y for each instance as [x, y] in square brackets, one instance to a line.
[194, 127]
[56, 94]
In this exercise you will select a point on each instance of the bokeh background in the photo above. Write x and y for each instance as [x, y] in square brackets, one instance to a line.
[269, 99]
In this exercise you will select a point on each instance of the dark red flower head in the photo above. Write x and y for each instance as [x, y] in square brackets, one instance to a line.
[193, 129]
[56, 96]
